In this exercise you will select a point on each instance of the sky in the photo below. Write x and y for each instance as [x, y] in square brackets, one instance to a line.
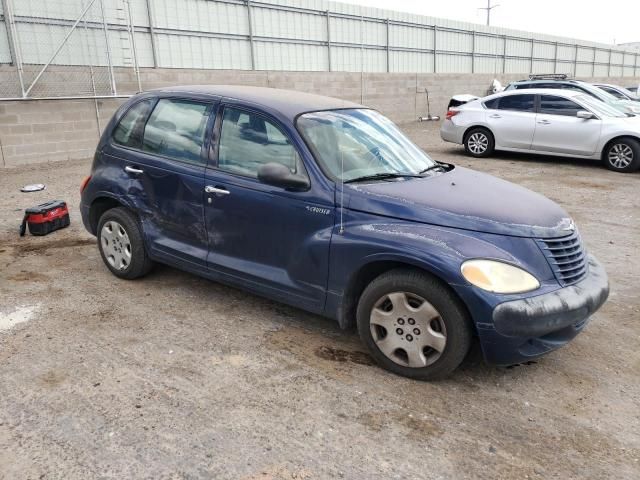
[617, 21]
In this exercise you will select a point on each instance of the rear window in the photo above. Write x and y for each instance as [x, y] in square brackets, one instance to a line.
[129, 131]
[493, 103]
[517, 103]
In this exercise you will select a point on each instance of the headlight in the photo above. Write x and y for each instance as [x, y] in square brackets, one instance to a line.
[498, 277]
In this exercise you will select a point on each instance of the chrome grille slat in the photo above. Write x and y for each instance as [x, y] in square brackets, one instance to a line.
[566, 257]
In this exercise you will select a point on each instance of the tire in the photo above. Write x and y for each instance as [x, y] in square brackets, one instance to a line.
[121, 244]
[622, 155]
[479, 142]
[419, 351]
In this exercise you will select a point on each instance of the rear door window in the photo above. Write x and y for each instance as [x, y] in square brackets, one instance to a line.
[517, 103]
[552, 105]
[176, 130]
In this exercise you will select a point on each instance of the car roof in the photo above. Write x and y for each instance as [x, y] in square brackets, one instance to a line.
[288, 102]
[537, 91]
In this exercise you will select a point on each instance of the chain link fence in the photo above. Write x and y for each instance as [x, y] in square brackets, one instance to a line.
[82, 47]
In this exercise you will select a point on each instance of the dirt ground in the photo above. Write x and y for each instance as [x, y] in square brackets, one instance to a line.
[176, 377]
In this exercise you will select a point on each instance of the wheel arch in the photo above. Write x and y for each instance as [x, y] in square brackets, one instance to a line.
[375, 267]
[609, 142]
[477, 126]
[100, 205]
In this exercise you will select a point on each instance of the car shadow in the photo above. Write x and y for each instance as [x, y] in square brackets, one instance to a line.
[315, 336]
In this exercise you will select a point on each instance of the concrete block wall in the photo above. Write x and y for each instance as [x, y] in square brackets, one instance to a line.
[37, 131]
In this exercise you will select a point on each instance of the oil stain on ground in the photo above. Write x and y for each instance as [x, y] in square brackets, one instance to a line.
[337, 355]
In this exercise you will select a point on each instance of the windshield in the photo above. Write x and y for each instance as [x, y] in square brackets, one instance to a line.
[599, 108]
[601, 94]
[355, 143]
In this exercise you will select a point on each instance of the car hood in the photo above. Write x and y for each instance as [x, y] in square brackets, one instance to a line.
[463, 198]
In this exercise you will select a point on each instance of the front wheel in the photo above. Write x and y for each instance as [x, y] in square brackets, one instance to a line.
[622, 155]
[479, 142]
[413, 325]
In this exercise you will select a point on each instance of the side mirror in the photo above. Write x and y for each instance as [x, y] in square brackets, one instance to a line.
[278, 175]
[585, 115]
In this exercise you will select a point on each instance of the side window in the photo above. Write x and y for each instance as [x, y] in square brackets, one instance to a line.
[518, 103]
[522, 86]
[176, 130]
[552, 105]
[129, 130]
[248, 141]
[614, 92]
[492, 104]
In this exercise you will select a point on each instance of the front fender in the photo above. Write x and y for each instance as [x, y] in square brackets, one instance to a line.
[440, 251]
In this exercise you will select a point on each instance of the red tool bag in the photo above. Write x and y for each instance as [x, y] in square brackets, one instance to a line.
[45, 218]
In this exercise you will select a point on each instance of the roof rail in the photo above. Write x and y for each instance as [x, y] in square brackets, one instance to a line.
[549, 76]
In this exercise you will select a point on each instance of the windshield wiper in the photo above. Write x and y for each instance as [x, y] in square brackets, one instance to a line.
[382, 176]
[433, 167]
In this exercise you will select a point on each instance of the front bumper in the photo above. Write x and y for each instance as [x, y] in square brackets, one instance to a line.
[530, 327]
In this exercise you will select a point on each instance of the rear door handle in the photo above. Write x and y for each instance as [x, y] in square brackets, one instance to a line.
[216, 190]
[544, 122]
[495, 115]
[134, 170]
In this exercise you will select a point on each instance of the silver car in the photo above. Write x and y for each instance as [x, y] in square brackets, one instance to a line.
[551, 122]
[617, 91]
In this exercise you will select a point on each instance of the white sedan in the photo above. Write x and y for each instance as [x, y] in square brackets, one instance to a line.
[550, 122]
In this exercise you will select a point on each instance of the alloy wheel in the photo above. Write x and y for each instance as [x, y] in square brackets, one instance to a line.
[478, 143]
[115, 245]
[620, 155]
[408, 329]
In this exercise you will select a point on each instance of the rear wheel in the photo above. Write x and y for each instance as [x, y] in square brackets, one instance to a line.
[413, 325]
[121, 245]
[622, 155]
[479, 142]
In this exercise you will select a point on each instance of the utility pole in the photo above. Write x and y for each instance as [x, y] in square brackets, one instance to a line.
[488, 8]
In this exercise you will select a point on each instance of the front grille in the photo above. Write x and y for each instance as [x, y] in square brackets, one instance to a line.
[566, 257]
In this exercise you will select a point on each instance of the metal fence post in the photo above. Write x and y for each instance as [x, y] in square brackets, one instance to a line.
[504, 53]
[609, 68]
[108, 48]
[435, 49]
[152, 34]
[575, 61]
[132, 36]
[388, 45]
[555, 58]
[531, 61]
[593, 63]
[14, 47]
[329, 39]
[250, 23]
[473, 51]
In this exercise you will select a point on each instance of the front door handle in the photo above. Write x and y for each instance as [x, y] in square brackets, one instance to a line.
[544, 122]
[134, 170]
[216, 190]
[495, 115]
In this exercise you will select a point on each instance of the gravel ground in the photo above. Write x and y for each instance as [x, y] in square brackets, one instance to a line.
[177, 377]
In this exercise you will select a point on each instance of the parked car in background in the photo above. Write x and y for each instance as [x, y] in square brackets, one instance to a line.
[565, 123]
[327, 206]
[634, 90]
[617, 91]
[561, 82]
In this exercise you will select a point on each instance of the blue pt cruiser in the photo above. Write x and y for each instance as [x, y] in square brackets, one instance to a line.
[326, 205]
